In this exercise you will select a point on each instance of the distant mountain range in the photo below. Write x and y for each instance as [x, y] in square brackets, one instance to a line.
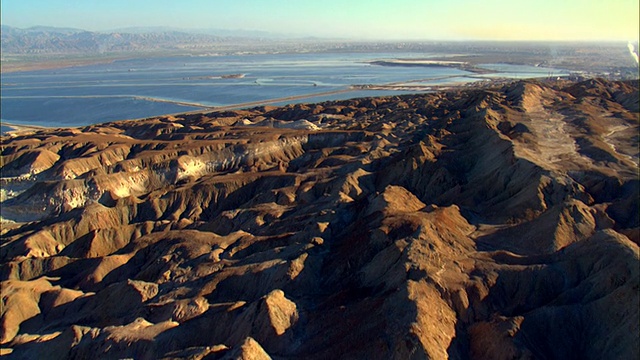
[53, 40]
[237, 33]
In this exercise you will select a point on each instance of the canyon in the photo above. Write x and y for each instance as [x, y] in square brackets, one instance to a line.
[492, 223]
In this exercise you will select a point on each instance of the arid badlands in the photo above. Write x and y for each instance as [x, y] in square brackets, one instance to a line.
[497, 223]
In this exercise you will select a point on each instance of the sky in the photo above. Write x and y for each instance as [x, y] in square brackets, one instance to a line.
[353, 19]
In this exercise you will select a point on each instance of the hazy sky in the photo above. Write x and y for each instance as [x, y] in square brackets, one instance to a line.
[371, 19]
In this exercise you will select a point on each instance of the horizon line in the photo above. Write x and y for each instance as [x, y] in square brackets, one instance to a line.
[280, 36]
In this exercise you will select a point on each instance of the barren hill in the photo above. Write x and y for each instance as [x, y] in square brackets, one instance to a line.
[484, 224]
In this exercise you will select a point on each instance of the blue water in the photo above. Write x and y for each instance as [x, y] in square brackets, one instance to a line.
[132, 89]
[4, 128]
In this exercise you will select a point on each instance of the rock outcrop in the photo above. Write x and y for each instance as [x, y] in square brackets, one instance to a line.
[485, 224]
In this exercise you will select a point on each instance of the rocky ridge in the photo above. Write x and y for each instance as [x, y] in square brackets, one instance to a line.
[488, 224]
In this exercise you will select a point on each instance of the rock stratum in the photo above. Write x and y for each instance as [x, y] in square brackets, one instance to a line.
[487, 224]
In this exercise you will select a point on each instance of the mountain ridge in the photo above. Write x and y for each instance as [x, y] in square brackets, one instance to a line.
[52, 40]
[491, 223]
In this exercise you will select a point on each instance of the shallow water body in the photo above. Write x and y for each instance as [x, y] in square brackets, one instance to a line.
[138, 88]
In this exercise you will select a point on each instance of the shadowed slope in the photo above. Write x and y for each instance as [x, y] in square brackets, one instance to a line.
[487, 224]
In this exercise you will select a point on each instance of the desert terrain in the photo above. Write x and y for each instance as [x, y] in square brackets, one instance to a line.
[493, 223]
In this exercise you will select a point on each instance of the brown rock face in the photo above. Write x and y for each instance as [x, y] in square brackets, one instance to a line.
[487, 224]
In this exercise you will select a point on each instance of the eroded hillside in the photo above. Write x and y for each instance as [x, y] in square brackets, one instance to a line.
[490, 224]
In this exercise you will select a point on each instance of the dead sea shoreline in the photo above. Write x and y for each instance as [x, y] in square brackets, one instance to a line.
[481, 83]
